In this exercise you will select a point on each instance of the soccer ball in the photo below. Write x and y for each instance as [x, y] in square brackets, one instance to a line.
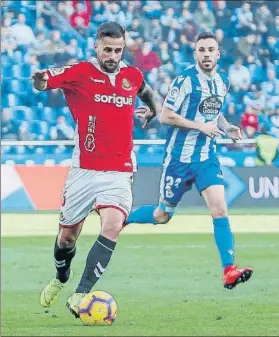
[98, 308]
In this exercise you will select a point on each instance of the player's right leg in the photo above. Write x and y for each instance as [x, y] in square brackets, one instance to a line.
[64, 252]
[76, 203]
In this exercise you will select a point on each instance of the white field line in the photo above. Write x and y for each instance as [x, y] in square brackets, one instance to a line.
[47, 224]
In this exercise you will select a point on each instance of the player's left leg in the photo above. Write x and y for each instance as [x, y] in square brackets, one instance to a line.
[211, 187]
[113, 205]
[99, 255]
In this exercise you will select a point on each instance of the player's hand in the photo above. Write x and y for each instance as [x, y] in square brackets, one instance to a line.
[234, 133]
[40, 79]
[210, 129]
[144, 114]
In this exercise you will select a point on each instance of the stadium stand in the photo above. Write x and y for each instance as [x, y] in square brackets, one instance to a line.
[160, 40]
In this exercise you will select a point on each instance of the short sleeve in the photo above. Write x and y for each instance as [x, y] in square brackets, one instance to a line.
[64, 77]
[180, 88]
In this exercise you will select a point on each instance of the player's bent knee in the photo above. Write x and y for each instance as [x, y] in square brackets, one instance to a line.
[111, 229]
[161, 217]
[219, 211]
[66, 240]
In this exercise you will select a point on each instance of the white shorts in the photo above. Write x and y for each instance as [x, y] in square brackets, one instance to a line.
[88, 190]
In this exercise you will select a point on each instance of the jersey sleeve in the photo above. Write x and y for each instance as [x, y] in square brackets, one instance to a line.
[180, 88]
[139, 78]
[64, 77]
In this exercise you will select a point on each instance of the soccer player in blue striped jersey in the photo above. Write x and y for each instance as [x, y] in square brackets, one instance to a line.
[192, 109]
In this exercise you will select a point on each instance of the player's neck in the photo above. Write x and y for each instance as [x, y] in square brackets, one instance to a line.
[210, 73]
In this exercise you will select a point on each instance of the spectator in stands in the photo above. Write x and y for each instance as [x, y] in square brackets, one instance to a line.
[223, 16]
[65, 9]
[246, 46]
[255, 68]
[99, 12]
[136, 30]
[263, 18]
[226, 48]
[132, 8]
[274, 27]
[62, 131]
[73, 50]
[273, 49]
[57, 48]
[166, 21]
[165, 53]
[22, 33]
[190, 30]
[240, 76]
[174, 33]
[154, 34]
[152, 9]
[255, 98]
[80, 18]
[204, 18]
[271, 86]
[8, 125]
[41, 27]
[7, 22]
[39, 48]
[145, 58]
[116, 14]
[245, 20]
[185, 49]
[274, 120]
[8, 42]
[231, 114]
[185, 17]
[24, 132]
[249, 122]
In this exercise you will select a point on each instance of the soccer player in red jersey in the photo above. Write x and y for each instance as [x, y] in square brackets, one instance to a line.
[101, 94]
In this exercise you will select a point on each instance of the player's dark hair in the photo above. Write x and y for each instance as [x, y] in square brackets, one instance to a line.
[110, 29]
[206, 35]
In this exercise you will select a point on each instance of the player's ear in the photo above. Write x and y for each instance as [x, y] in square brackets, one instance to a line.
[96, 44]
[195, 56]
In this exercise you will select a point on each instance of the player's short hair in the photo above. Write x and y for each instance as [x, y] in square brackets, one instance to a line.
[206, 35]
[110, 29]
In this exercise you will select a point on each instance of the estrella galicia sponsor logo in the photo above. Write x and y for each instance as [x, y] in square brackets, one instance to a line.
[210, 107]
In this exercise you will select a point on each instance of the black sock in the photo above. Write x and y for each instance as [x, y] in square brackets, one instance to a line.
[96, 263]
[62, 259]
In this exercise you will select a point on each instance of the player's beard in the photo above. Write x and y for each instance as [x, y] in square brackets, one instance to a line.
[207, 65]
[109, 66]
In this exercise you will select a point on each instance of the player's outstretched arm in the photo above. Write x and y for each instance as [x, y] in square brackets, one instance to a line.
[170, 117]
[232, 131]
[147, 96]
[40, 79]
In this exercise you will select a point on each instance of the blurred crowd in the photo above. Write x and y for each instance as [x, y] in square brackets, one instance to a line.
[160, 41]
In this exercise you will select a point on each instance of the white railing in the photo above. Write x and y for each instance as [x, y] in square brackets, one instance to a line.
[136, 142]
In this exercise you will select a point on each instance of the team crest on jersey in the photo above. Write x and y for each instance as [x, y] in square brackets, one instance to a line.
[210, 107]
[126, 84]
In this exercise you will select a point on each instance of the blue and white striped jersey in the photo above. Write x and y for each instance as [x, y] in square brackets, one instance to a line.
[200, 98]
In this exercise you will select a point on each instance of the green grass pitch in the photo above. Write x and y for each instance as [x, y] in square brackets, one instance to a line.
[164, 284]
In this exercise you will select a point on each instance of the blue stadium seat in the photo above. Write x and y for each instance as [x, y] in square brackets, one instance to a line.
[25, 113]
[49, 114]
[11, 100]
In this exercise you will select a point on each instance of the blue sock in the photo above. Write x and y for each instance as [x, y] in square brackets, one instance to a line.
[224, 241]
[142, 214]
